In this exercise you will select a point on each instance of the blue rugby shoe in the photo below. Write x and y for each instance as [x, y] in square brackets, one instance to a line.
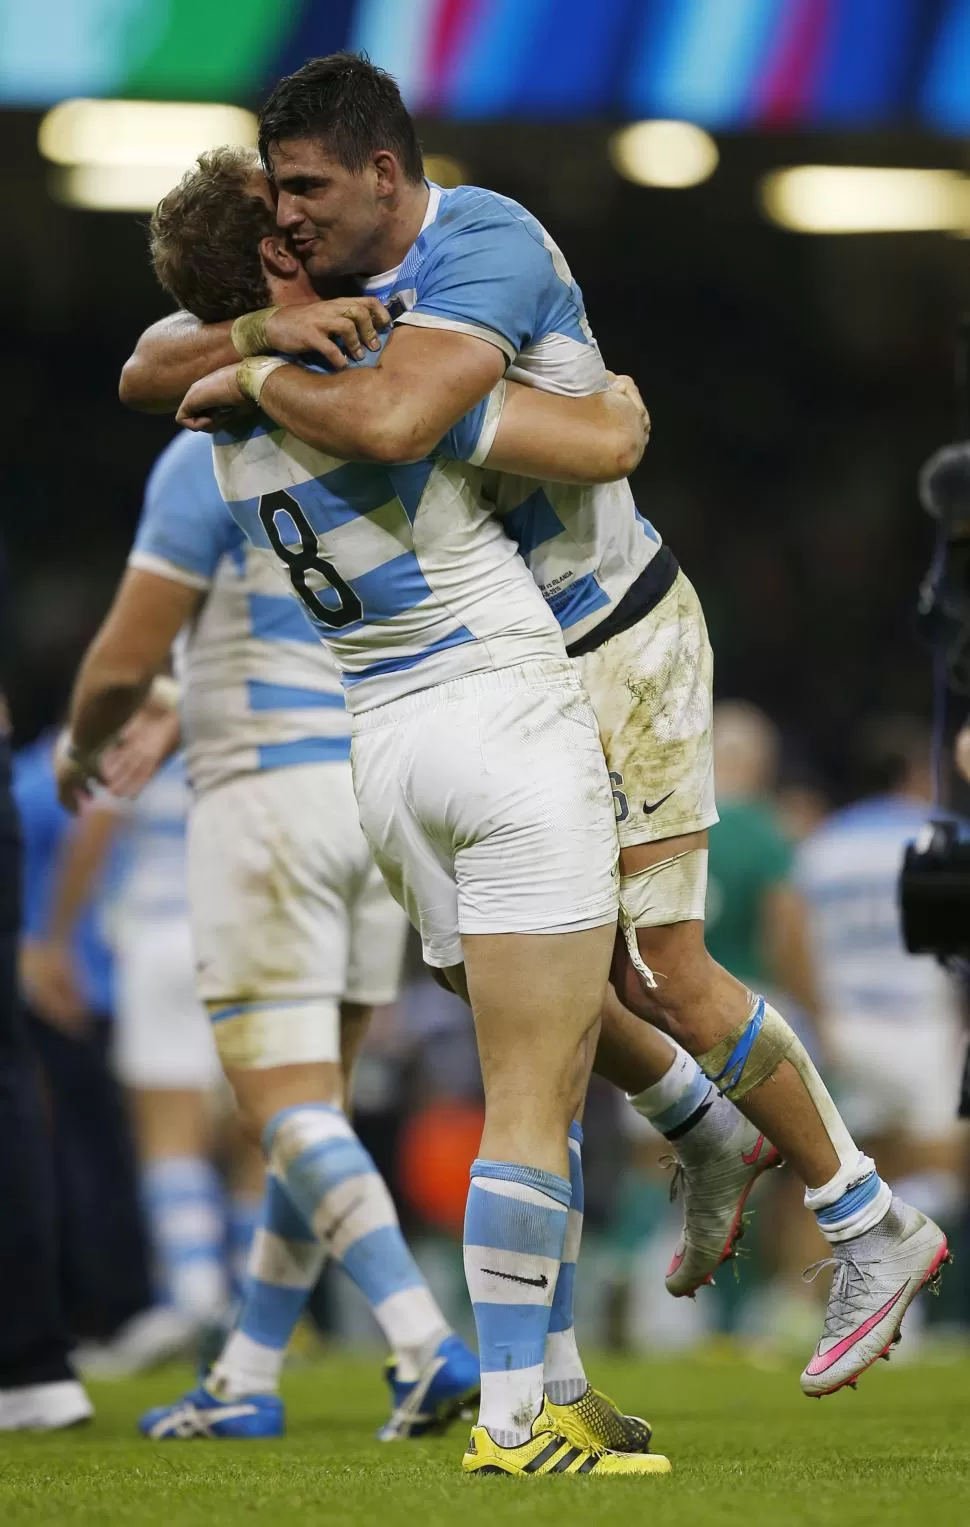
[202, 1414]
[447, 1388]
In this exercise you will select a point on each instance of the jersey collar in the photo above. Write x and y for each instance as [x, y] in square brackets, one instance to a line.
[388, 277]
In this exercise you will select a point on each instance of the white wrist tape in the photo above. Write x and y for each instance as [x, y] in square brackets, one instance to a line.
[251, 374]
[164, 692]
[248, 333]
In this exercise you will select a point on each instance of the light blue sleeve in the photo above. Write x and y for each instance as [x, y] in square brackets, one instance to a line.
[472, 437]
[185, 525]
[487, 272]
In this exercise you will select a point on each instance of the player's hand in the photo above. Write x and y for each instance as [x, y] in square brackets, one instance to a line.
[335, 329]
[76, 778]
[208, 401]
[143, 745]
[50, 984]
[624, 395]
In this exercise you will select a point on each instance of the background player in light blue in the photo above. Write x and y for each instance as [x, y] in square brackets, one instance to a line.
[296, 937]
[894, 1027]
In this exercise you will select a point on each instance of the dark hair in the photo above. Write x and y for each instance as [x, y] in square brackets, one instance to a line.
[887, 751]
[350, 105]
[205, 237]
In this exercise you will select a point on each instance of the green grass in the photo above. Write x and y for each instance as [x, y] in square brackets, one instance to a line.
[747, 1450]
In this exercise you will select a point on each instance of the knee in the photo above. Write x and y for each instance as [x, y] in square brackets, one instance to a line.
[685, 974]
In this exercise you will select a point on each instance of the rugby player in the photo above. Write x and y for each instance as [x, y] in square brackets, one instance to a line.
[481, 290]
[295, 936]
[176, 1420]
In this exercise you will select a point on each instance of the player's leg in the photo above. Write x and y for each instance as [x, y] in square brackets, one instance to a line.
[488, 809]
[718, 1155]
[165, 1057]
[431, 1374]
[651, 690]
[595, 1419]
[281, 1053]
[740, 1042]
[246, 1188]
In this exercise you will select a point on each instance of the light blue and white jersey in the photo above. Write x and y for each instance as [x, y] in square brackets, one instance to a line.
[152, 886]
[257, 689]
[405, 570]
[848, 871]
[483, 265]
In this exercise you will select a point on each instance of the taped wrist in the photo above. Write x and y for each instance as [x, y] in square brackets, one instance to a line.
[164, 692]
[251, 374]
[86, 762]
[248, 333]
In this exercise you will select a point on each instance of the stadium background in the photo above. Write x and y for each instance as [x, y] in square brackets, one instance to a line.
[796, 380]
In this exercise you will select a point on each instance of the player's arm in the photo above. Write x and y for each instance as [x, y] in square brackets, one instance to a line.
[393, 412]
[47, 963]
[599, 438]
[171, 355]
[131, 647]
[180, 349]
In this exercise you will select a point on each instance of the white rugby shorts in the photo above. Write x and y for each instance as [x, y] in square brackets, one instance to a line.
[487, 805]
[285, 898]
[651, 689]
[162, 1036]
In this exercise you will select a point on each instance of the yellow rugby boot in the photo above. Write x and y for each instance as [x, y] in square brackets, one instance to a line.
[595, 1422]
[549, 1452]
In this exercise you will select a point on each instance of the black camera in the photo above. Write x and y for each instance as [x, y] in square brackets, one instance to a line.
[934, 887]
[934, 893]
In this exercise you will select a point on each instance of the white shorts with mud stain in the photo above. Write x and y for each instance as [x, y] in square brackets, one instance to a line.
[651, 688]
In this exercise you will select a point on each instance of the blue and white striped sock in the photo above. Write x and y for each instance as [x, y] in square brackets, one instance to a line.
[244, 1215]
[285, 1262]
[184, 1206]
[852, 1202]
[515, 1227]
[680, 1099]
[335, 1185]
[565, 1376]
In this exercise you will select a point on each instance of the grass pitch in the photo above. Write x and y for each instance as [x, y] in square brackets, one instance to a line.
[747, 1450]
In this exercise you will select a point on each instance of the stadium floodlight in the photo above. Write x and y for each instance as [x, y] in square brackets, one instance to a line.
[661, 153]
[140, 132]
[842, 198]
[114, 187]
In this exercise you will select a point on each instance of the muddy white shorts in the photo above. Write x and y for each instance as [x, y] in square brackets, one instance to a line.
[289, 913]
[162, 1037]
[487, 805]
[651, 689]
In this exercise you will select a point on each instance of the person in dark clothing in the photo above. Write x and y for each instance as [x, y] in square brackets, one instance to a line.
[38, 1388]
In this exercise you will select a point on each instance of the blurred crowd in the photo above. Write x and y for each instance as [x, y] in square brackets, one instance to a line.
[157, 1195]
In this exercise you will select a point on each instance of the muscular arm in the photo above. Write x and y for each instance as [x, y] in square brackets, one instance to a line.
[426, 380]
[599, 438]
[393, 412]
[180, 349]
[131, 647]
[171, 355]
